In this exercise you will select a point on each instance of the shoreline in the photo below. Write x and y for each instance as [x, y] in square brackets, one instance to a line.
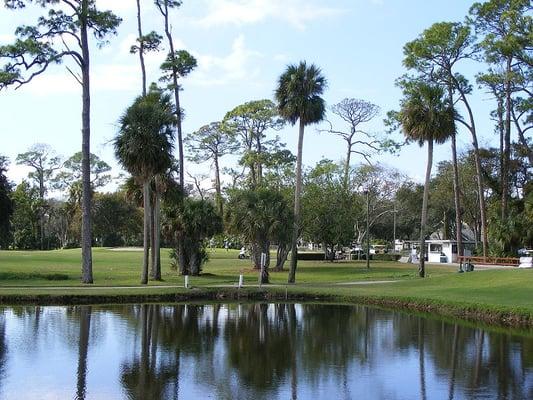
[491, 315]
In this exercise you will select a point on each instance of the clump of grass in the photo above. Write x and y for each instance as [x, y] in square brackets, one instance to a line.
[24, 276]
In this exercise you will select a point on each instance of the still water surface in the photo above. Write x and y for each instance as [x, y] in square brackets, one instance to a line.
[254, 351]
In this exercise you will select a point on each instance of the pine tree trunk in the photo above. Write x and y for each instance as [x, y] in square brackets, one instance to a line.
[456, 188]
[347, 167]
[146, 232]
[86, 231]
[479, 177]
[176, 99]
[507, 142]
[424, 218]
[457, 200]
[481, 195]
[141, 47]
[218, 188]
[297, 195]
[259, 164]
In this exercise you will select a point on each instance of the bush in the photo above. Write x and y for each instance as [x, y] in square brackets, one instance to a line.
[311, 256]
[385, 257]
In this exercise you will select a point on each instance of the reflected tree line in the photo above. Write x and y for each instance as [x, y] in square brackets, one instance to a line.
[256, 350]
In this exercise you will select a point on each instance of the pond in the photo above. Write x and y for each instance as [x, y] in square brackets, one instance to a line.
[255, 351]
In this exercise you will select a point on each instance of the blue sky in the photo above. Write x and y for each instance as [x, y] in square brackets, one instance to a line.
[242, 46]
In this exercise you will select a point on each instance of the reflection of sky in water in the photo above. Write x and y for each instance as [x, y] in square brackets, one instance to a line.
[253, 351]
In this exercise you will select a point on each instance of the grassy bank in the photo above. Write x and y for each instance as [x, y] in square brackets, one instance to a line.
[500, 297]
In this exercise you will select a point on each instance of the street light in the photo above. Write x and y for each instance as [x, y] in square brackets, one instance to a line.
[366, 192]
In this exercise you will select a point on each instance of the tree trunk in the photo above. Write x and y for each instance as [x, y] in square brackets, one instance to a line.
[347, 167]
[297, 195]
[281, 256]
[86, 232]
[218, 189]
[146, 232]
[194, 264]
[424, 218]
[41, 210]
[481, 195]
[479, 177]
[457, 200]
[141, 48]
[456, 188]
[156, 233]
[255, 249]
[176, 99]
[507, 142]
[265, 248]
[182, 260]
[259, 164]
[501, 132]
[152, 236]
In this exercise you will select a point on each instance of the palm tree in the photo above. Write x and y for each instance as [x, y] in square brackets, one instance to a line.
[189, 223]
[143, 147]
[298, 95]
[260, 217]
[426, 117]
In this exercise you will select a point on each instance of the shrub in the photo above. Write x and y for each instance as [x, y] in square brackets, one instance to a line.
[311, 256]
[385, 257]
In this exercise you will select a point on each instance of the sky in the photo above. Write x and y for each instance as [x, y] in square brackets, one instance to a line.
[242, 46]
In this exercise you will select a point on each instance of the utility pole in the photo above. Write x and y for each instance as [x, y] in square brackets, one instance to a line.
[367, 229]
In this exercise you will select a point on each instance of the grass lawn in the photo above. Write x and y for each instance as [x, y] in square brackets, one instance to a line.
[31, 272]
[122, 267]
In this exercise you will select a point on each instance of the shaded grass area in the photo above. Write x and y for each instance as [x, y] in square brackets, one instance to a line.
[495, 296]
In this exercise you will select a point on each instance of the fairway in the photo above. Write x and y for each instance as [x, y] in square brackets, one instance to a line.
[32, 272]
[122, 267]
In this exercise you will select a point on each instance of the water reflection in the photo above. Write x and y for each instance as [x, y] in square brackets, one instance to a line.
[255, 351]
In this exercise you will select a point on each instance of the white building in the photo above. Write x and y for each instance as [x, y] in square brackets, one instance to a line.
[439, 250]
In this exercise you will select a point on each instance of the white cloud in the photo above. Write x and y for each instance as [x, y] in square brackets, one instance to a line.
[239, 12]
[123, 74]
[216, 70]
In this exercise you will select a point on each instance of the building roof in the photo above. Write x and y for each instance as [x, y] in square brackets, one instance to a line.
[467, 233]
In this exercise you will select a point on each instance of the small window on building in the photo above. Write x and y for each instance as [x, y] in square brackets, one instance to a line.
[435, 248]
[454, 249]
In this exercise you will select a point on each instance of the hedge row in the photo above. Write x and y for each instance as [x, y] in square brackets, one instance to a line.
[307, 256]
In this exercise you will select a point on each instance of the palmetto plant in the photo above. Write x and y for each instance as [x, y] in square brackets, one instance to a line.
[188, 223]
[299, 99]
[259, 216]
[426, 117]
[143, 147]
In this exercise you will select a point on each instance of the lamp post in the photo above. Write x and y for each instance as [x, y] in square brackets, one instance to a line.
[367, 229]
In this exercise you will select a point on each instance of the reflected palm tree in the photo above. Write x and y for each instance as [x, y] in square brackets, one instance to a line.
[146, 376]
[479, 356]
[83, 350]
[421, 355]
[3, 346]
